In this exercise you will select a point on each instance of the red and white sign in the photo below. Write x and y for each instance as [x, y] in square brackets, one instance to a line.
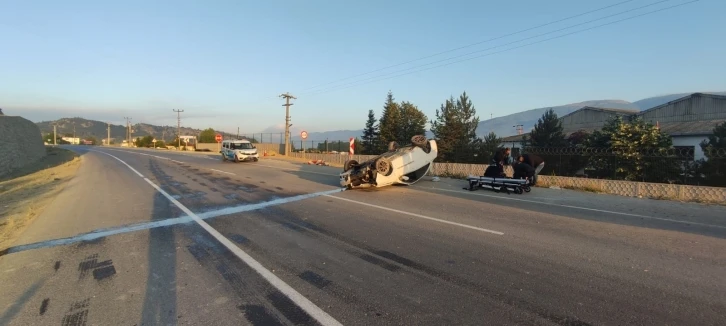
[304, 134]
[352, 146]
[218, 138]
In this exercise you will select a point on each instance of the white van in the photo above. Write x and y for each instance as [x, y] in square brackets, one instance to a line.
[239, 150]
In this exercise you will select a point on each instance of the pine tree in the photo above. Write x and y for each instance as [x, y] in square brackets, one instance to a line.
[445, 128]
[370, 135]
[455, 130]
[547, 132]
[489, 145]
[469, 120]
[389, 123]
[412, 122]
[715, 151]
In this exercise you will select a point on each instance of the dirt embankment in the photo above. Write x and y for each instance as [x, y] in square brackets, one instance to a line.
[26, 191]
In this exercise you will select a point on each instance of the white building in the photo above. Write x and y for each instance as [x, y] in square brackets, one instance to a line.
[72, 140]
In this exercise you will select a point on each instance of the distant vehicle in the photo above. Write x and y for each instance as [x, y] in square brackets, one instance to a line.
[405, 165]
[239, 151]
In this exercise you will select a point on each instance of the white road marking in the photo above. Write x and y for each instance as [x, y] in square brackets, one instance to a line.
[220, 171]
[305, 304]
[124, 163]
[578, 207]
[289, 169]
[418, 215]
[163, 223]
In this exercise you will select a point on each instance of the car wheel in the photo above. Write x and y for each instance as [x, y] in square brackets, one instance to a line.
[421, 142]
[392, 146]
[236, 160]
[349, 164]
[383, 166]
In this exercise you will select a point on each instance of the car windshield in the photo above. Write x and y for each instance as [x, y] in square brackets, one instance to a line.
[241, 146]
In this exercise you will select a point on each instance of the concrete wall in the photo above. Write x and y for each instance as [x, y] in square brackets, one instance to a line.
[261, 147]
[20, 143]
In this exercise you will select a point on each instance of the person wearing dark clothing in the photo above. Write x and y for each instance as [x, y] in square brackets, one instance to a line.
[494, 171]
[534, 161]
[503, 156]
[523, 171]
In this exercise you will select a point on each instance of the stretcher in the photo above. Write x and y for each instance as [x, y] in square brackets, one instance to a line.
[503, 184]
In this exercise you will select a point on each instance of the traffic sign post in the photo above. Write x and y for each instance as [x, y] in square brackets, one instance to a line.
[218, 138]
[303, 135]
[352, 146]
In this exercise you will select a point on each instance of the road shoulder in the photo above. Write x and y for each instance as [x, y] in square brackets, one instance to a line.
[31, 189]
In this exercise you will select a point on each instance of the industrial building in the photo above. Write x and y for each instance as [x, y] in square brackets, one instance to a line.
[688, 120]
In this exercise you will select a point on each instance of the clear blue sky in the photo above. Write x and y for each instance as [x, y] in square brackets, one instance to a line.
[225, 62]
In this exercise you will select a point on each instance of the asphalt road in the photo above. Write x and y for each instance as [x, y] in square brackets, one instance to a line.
[143, 237]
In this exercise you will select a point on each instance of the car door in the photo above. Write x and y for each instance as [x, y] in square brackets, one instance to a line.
[225, 147]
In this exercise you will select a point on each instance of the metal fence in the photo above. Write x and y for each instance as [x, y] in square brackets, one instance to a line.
[673, 165]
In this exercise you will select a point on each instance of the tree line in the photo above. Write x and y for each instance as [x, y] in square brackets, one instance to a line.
[454, 129]
[630, 149]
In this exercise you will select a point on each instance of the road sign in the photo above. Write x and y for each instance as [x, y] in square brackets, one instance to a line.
[218, 138]
[352, 146]
[304, 134]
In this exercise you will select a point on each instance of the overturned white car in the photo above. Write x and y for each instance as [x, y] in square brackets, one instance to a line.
[404, 165]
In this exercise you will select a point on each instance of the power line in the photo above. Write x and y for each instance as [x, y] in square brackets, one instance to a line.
[473, 44]
[491, 48]
[368, 81]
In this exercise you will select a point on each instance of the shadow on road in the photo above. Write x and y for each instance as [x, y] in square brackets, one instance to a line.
[9, 314]
[160, 300]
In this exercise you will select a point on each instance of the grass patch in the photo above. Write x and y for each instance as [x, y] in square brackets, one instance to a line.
[25, 192]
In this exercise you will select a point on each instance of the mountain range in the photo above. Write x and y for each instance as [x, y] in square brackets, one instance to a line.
[81, 127]
[505, 126]
[502, 126]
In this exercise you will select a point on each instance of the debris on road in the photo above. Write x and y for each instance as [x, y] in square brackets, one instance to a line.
[318, 162]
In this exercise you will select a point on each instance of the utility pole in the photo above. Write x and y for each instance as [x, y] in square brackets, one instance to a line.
[54, 136]
[287, 104]
[238, 133]
[128, 131]
[178, 126]
[520, 129]
[108, 132]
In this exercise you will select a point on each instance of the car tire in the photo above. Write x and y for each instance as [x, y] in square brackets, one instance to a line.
[421, 142]
[383, 166]
[392, 146]
[349, 164]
